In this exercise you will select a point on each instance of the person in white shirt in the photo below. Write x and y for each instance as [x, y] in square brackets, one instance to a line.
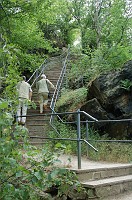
[24, 94]
[43, 91]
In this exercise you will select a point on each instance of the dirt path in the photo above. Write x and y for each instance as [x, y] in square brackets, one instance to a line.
[71, 161]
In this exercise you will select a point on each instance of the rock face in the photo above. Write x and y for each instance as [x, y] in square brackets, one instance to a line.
[110, 97]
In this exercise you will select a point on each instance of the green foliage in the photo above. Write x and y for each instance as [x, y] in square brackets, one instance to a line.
[107, 58]
[71, 99]
[111, 152]
[66, 146]
[85, 68]
[89, 40]
[126, 84]
[28, 172]
[105, 32]
[30, 29]
[26, 33]
[23, 40]
[75, 37]
[107, 151]
[29, 61]
[9, 154]
[62, 148]
[82, 68]
[33, 28]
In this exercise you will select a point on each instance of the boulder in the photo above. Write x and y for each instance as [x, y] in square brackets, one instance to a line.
[110, 97]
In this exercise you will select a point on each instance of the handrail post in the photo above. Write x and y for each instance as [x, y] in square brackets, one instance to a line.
[78, 139]
[87, 135]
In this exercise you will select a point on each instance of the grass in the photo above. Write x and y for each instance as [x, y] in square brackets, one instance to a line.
[71, 99]
[112, 152]
[107, 151]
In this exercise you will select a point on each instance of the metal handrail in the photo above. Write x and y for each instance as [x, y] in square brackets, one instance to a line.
[59, 82]
[58, 87]
[37, 73]
[78, 139]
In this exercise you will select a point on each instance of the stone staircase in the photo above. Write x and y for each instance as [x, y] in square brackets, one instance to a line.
[101, 181]
[106, 181]
[38, 126]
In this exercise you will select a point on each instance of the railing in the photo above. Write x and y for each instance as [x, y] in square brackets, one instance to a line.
[37, 73]
[52, 106]
[78, 139]
[59, 82]
[78, 122]
[58, 87]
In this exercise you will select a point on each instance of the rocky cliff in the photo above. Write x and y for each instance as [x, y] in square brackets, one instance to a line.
[110, 97]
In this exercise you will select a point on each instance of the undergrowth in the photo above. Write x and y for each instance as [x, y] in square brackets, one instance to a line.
[107, 151]
[72, 99]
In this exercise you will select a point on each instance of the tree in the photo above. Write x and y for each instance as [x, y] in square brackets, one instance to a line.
[105, 30]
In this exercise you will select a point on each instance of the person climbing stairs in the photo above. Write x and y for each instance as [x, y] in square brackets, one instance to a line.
[38, 125]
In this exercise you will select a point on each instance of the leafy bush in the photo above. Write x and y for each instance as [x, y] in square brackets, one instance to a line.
[81, 69]
[107, 58]
[70, 99]
[28, 172]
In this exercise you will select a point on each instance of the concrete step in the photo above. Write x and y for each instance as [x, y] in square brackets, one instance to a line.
[35, 97]
[98, 184]
[98, 173]
[108, 187]
[38, 128]
[37, 122]
[35, 93]
[123, 196]
[38, 131]
[35, 90]
[38, 125]
[36, 101]
[37, 118]
[34, 120]
[104, 181]
[37, 111]
[52, 75]
[37, 134]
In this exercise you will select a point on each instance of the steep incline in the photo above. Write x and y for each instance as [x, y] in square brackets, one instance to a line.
[39, 125]
[102, 180]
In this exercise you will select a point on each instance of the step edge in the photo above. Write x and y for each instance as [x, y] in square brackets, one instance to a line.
[111, 181]
[121, 166]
